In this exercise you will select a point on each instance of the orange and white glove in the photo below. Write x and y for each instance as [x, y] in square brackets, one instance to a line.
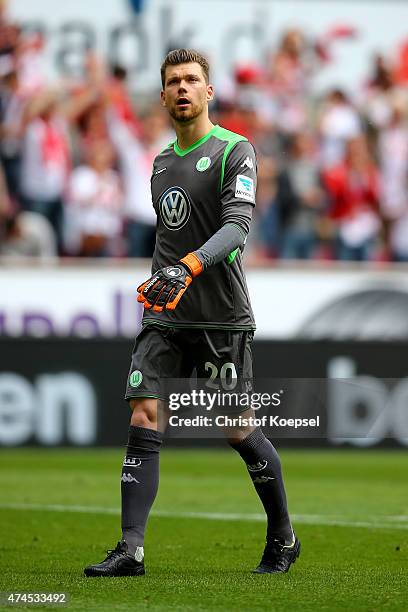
[166, 287]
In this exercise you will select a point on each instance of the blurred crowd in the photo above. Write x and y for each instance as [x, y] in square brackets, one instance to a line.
[76, 156]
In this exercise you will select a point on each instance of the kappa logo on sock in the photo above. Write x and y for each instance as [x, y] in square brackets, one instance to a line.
[132, 462]
[257, 467]
[129, 478]
[262, 479]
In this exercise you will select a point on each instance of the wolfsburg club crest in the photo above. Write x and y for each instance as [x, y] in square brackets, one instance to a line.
[174, 208]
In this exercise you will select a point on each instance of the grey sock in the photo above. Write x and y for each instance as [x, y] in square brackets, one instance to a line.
[264, 468]
[139, 483]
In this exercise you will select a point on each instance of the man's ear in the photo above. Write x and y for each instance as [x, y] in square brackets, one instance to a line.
[162, 98]
[210, 93]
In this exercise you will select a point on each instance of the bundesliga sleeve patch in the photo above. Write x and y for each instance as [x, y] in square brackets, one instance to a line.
[244, 188]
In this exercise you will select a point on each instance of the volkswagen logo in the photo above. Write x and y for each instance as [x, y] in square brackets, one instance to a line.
[174, 208]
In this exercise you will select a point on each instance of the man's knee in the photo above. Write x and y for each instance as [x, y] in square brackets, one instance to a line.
[238, 435]
[144, 412]
[241, 429]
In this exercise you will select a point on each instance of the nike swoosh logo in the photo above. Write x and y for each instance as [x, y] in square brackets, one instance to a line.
[159, 171]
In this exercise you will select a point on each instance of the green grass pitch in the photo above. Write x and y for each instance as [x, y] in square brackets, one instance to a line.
[59, 511]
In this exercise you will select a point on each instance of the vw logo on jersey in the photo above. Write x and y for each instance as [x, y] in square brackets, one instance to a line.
[175, 208]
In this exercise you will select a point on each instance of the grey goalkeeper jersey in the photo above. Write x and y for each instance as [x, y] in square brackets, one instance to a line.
[195, 192]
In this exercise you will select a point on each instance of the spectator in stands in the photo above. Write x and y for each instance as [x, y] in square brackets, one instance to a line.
[353, 188]
[398, 239]
[299, 199]
[23, 233]
[289, 75]
[12, 127]
[339, 122]
[235, 117]
[27, 234]
[46, 162]
[393, 160]
[89, 101]
[136, 157]
[94, 205]
[120, 99]
[9, 39]
[381, 95]
[291, 70]
[263, 239]
[287, 68]
[267, 139]
[30, 63]
[300, 55]
[5, 204]
[401, 68]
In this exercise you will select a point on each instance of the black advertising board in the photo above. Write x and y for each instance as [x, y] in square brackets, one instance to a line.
[70, 392]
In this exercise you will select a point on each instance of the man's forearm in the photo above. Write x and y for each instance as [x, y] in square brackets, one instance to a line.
[166, 287]
[229, 237]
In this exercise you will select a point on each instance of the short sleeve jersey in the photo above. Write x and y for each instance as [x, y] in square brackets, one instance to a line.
[195, 191]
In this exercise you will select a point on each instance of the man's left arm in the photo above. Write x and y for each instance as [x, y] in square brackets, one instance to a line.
[237, 193]
[238, 188]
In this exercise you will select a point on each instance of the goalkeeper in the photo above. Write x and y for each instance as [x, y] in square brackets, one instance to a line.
[197, 312]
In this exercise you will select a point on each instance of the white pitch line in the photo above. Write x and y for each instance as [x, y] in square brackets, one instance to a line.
[375, 522]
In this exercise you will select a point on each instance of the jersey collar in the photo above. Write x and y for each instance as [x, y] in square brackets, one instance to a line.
[195, 145]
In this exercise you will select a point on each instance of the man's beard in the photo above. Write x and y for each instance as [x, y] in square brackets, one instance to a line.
[185, 117]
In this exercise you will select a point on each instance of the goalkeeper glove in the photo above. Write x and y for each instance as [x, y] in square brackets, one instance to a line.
[165, 288]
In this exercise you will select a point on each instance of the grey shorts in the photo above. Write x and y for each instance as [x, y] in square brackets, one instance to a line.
[172, 356]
